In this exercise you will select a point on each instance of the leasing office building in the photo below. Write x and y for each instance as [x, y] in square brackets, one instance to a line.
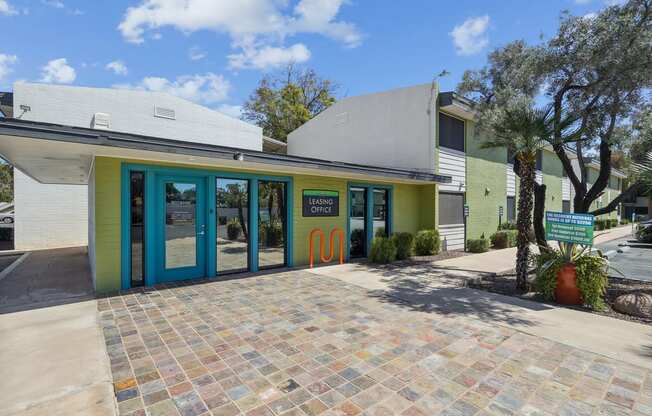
[170, 207]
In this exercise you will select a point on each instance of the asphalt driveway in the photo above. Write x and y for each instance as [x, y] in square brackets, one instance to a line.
[298, 343]
[634, 260]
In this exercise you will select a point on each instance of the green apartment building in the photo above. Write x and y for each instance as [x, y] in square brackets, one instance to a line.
[427, 130]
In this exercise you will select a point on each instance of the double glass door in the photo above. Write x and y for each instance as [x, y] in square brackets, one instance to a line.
[368, 218]
[186, 248]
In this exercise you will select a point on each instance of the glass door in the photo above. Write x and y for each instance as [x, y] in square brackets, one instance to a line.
[181, 228]
[272, 224]
[358, 223]
[232, 219]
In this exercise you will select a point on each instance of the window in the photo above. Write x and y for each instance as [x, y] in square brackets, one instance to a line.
[565, 206]
[451, 132]
[380, 212]
[539, 160]
[272, 224]
[137, 232]
[511, 209]
[451, 208]
[232, 207]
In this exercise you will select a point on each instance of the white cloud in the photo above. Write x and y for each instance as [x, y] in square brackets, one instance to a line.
[6, 8]
[269, 57]
[252, 25]
[118, 67]
[57, 4]
[6, 63]
[234, 111]
[471, 36]
[195, 53]
[58, 70]
[206, 89]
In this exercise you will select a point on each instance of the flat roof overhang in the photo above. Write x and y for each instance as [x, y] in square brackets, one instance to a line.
[456, 105]
[58, 154]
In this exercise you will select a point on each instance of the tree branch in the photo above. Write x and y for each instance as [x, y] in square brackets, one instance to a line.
[611, 206]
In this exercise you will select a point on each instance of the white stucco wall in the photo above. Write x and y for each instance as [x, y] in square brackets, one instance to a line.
[49, 216]
[392, 128]
[133, 112]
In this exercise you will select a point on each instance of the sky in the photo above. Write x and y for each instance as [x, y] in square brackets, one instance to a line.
[214, 52]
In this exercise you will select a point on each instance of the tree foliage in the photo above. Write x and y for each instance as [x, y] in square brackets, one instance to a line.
[283, 102]
[6, 182]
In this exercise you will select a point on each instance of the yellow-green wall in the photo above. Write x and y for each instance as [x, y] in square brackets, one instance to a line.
[412, 209]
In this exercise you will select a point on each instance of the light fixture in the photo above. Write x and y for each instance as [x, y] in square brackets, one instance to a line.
[238, 156]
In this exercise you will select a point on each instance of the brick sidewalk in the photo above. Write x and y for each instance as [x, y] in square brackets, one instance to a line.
[299, 344]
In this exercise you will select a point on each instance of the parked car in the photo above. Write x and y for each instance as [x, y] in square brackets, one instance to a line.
[644, 232]
[7, 217]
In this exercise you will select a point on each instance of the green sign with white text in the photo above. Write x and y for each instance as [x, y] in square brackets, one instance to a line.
[569, 227]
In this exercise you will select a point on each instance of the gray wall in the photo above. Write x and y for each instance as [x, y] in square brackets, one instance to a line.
[392, 128]
[133, 112]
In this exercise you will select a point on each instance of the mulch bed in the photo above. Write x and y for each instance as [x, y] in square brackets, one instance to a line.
[505, 284]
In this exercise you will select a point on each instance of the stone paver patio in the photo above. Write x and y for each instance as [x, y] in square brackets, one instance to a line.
[300, 344]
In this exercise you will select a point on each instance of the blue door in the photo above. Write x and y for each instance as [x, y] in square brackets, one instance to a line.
[181, 228]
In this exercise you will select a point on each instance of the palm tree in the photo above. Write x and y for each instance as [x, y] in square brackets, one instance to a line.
[523, 130]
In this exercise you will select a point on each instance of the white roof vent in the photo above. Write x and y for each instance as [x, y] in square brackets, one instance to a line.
[101, 121]
[164, 112]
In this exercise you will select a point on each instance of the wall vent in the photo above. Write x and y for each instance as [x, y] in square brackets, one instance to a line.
[164, 112]
[101, 121]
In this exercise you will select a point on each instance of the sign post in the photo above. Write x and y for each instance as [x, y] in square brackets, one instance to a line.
[569, 227]
[319, 203]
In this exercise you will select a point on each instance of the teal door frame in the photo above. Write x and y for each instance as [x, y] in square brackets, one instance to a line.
[369, 218]
[209, 177]
[163, 274]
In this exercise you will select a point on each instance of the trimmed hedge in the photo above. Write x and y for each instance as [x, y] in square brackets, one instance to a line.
[504, 239]
[614, 222]
[427, 243]
[508, 225]
[383, 250]
[404, 243]
[477, 245]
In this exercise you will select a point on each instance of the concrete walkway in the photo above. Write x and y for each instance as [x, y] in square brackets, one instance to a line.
[500, 261]
[53, 358]
[54, 362]
[438, 291]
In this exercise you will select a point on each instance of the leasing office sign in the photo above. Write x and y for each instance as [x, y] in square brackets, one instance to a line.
[319, 203]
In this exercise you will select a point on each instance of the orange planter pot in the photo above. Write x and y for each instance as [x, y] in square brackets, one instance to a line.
[567, 292]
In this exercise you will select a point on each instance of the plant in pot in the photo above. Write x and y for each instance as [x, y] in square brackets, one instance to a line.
[573, 275]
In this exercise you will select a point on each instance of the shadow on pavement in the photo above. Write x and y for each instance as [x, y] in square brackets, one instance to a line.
[425, 288]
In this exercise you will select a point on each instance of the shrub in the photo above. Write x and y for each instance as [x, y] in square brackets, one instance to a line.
[427, 243]
[404, 243]
[504, 239]
[477, 245]
[383, 250]
[599, 225]
[614, 222]
[508, 225]
[624, 221]
[607, 223]
[591, 274]
[357, 241]
[233, 229]
[380, 232]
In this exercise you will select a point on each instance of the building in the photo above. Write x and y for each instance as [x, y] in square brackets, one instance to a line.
[55, 214]
[431, 131]
[171, 205]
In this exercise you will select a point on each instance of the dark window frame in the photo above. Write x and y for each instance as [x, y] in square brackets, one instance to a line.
[510, 214]
[444, 220]
[449, 129]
